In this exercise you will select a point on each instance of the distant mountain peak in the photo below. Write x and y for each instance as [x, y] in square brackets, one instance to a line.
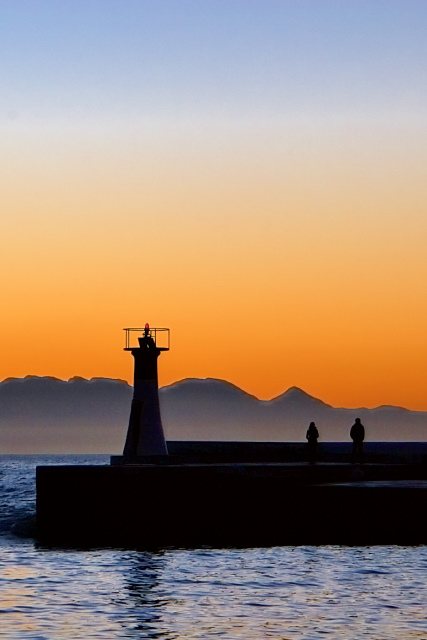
[295, 391]
[208, 384]
[390, 407]
[296, 394]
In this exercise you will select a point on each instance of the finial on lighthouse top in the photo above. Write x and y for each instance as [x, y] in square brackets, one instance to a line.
[157, 336]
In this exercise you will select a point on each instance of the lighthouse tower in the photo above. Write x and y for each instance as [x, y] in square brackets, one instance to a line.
[145, 435]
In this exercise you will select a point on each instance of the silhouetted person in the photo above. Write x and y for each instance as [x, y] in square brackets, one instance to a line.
[312, 436]
[357, 434]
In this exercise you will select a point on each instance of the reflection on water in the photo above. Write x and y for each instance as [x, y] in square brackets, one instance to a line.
[291, 593]
[141, 597]
[288, 593]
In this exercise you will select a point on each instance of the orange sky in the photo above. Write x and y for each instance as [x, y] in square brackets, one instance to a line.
[258, 186]
[273, 265]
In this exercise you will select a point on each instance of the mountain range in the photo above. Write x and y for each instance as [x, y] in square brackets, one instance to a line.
[48, 415]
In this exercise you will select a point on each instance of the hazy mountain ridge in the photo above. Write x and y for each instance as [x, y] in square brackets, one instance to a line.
[45, 414]
[238, 416]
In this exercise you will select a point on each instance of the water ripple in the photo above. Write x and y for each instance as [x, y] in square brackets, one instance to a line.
[287, 593]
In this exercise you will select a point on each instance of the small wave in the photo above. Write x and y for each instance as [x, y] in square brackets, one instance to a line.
[24, 527]
[376, 572]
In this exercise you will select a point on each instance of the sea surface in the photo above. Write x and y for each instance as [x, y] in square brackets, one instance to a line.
[286, 593]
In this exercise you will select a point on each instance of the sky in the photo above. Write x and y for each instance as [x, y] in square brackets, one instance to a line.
[250, 174]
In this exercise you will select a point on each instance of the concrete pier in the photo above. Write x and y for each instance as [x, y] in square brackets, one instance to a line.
[231, 504]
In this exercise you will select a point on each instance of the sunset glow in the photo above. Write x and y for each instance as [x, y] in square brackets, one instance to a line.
[251, 175]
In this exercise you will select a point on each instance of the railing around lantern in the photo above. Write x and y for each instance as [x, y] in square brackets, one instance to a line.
[160, 336]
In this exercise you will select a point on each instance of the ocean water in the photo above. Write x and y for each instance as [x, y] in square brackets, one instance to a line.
[286, 593]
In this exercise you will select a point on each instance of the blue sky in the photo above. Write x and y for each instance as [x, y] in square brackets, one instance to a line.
[227, 58]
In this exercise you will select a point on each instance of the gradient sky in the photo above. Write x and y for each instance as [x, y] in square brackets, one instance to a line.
[251, 174]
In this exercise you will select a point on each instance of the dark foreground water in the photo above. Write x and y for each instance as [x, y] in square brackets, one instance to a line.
[281, 592]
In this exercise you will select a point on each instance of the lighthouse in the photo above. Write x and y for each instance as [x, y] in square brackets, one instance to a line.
[145, 435]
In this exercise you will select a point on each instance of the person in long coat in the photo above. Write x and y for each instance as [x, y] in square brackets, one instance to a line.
[312, 436]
